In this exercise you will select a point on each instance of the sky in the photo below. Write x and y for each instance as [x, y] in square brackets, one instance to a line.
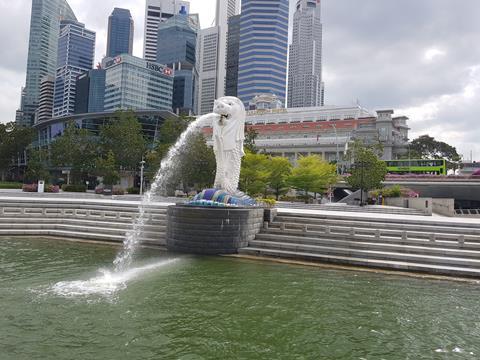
[418, 57]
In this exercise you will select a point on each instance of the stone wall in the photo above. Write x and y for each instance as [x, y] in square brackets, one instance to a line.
[203, 230]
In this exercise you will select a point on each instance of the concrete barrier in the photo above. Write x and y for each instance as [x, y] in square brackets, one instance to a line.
[422, 204]
[445, 207]
[212, 231]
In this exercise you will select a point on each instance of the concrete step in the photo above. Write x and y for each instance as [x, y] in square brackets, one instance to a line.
[103, 222]
[421, 247]
[159, 241]
[367, 262]
[367, 253]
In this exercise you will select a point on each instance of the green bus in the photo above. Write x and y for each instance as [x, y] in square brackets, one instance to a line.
[415, 166]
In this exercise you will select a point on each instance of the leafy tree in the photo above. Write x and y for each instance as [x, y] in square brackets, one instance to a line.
[312, 174]
[123, 136]
[279, 171]
[77, 150]
[254, 174]
[197, 164]
[368, 171]
[37, 166]
[106, 167]
[14, 140]
[426, 147]
[249, 142]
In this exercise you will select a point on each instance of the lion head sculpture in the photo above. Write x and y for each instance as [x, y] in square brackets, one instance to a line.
[228, 137]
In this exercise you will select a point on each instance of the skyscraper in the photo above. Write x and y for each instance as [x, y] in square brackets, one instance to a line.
[233, 48]
[225, 10]
[157, 11]
[207, 55]
[76, 48]
[305, 86]
[212, 54]
[263, 49]
[137, 84]
[177, 41]
[42, 51]
[120, 33]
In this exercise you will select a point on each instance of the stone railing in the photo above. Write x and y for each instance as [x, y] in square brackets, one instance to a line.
[377, 234]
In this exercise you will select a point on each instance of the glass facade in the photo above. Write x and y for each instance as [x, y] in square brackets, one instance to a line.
[90, 92]
[263, 49]
[76, 48]
[177, 41]
[42, 50]
[134, 83]
[120, 33]
[151, 121]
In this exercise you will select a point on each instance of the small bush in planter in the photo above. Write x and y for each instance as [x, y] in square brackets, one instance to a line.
[133, 190]
[74, 188]
[30, 188]
[118, 191]
[52, 189]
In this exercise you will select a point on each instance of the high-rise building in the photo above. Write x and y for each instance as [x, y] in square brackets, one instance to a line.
[42, 51]
[225, 9]
[177, 41]
[45, 103]
[137, 84]
[212, 56]
[233, 48]
[263, 49]
[76, 50]
[90, 92]
[120, 33]
[157, 11]
[305, 86]
[207, 55]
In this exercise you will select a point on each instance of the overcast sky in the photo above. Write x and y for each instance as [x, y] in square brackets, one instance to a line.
[418, 57]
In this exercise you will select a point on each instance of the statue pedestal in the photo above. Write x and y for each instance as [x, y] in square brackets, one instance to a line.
[211, 231]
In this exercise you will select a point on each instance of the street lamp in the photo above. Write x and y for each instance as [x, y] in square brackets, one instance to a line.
[142, 166]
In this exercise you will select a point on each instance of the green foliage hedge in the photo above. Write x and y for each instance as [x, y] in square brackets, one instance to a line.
[74, 188]
[10, 185]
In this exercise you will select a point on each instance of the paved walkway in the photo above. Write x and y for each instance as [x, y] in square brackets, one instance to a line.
[374, 216]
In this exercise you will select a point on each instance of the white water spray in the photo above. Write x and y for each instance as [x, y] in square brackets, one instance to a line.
[167, 168]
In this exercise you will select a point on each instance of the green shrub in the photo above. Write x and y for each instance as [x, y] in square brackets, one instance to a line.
[133, 190]
[74, 188]
[269, 203]
[10, 185]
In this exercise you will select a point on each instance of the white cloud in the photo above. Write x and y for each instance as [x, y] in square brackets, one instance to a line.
[433, 53]
[449, 117]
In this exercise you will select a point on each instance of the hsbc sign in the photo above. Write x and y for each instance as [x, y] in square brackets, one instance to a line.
[161, 69]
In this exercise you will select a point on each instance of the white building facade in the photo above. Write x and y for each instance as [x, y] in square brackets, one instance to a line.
[212, 56]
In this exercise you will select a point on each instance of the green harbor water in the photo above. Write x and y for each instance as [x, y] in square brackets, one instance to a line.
[54, 304]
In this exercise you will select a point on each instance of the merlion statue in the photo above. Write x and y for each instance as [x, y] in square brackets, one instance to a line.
[228, 137]
[228, 123]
